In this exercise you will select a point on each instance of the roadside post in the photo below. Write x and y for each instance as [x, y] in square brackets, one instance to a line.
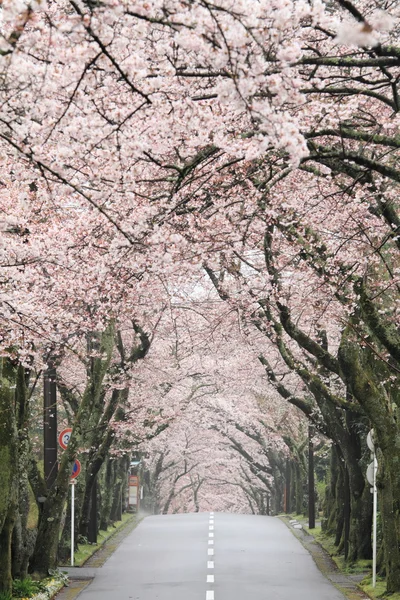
[63, 440]
[73, 482]
[134, 487]
[75, 472]
[371, 478]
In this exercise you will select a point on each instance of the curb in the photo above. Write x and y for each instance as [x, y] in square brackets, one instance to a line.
[347, 585]
[81, 577]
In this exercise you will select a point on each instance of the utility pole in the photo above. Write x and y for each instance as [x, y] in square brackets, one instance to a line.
[50, 425]
[346, 512]
[92, 526]
[288, 507]
[311, 482]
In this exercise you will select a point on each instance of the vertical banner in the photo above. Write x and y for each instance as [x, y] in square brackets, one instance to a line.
[133, 493]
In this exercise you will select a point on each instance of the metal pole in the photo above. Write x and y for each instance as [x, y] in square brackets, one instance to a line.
[50, 425]
[374, 519]
[92, 525]
[288, 507]
[72, 521]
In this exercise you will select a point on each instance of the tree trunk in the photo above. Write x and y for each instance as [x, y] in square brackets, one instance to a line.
[8, 472]
[120, 486]
[23, 542]
[93, 467]
[5, 548]
[288, 486]
[107, 494]
[299, 488]
[359, 370]
[389, 508]
[311, 480]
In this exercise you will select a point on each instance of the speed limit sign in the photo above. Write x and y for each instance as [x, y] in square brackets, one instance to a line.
[64, 438]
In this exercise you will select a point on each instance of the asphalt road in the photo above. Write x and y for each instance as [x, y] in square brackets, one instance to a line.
[210, 557]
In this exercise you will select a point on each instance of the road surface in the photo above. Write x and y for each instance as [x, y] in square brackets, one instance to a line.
[207, 556]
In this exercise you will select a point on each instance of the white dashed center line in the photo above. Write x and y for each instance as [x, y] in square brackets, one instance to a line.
[210, 552]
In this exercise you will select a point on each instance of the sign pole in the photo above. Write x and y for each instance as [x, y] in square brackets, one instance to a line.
[375, 511]
[371, 478]
[72, 521]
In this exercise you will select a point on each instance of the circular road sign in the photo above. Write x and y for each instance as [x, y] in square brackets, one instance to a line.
[64, 438]
[370, 440]
[370, 473]
[76, 469]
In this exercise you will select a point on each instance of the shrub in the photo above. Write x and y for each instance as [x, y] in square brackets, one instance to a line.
[25, 588]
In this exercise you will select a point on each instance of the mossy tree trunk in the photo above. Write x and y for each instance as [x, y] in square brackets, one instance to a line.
[333, 411]
[359, 528]
[46, 548]
[360, 370]
[101, 440]
[23, 538]
[99, 435]
[107, 493]
[8, 470]
[332, 493]
[119, 488]
[299, 488]
[344, 428]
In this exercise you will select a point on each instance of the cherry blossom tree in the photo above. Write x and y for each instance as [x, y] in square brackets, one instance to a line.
[141, 143]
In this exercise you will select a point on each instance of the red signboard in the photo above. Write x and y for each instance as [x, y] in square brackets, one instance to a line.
[133, 500]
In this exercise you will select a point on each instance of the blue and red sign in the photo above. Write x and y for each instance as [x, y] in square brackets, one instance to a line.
[76, 469]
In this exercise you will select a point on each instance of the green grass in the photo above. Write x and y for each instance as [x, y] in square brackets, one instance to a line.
[87, 550]
[327, 543]
[379, 591]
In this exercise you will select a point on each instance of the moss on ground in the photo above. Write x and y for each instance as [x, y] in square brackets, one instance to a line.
[85, 551]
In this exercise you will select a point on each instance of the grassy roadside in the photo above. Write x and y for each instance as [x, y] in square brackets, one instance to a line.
[361, 567]
[86, 551]
[48, 588]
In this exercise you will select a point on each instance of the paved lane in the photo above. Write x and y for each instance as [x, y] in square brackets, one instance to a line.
[164, 558]
[258, 558]
[207, 557]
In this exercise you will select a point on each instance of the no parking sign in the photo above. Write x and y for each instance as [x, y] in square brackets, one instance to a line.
[76, 469]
